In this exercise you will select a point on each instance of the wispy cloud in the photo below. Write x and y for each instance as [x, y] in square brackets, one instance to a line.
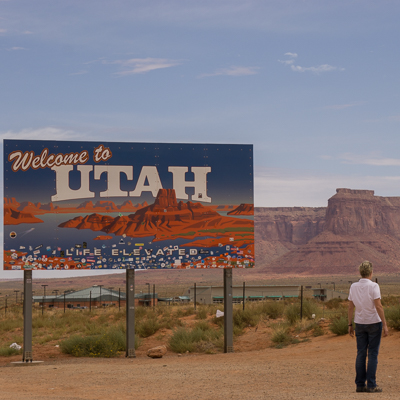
[47, 133]
[142, 65]
[316, 70]
[342, 106]
[232, 71]
[83, 72]
[290, 60]
[3, 30]
[371, 159]
[16, 48]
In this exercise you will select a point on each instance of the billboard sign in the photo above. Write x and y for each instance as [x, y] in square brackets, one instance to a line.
[108, 205]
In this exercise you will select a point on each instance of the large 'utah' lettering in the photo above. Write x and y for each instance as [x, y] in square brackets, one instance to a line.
[148, 181]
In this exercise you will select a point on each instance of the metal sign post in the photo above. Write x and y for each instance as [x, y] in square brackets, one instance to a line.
[228, 311]
[130, 313]
[27, 350]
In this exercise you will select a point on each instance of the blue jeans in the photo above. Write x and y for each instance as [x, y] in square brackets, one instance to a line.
[368, 341]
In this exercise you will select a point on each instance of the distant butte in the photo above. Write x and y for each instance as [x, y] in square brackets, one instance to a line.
[331, 240]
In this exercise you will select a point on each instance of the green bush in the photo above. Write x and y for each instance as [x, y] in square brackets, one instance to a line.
[8, 351]
[202, 313]
[390, 301]
[292, 311]
[184, 312]
[317, 331]
[392, 315]
[202, 338]
[147, 327]
[334, 304]
[273, 309]
[339, 325]
[281, 337]
[105, 345]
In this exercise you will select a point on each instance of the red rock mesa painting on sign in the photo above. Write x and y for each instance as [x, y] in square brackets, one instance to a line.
[103, 205]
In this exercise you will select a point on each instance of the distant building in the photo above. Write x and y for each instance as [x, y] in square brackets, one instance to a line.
[94, 296]
[215, 294]
[328, 294]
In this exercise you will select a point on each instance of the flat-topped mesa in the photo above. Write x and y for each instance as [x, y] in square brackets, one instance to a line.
[355, 192]
[359, 212]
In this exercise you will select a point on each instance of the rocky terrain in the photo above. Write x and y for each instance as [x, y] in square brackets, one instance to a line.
[356, 225]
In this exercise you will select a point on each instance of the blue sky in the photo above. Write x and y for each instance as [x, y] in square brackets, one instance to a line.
[313, 85]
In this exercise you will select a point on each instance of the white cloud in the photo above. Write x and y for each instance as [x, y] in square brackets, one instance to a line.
[374, 160]
[16, 48]
[342, 106]
[316, 70]
[3, 30]
[27, 33]
[142, 65]
[232, 71]
[82, 72]
[47, 133]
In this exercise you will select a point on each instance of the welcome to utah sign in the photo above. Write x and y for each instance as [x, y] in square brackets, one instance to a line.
[91, 205]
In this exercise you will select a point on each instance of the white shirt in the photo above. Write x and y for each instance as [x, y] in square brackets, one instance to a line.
[362, 294]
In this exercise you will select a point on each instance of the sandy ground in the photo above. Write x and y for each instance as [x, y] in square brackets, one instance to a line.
[322, 368]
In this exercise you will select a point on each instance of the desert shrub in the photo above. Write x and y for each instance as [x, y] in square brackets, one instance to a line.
[244, 318]
[181, 341]
[11, 324]
[105, 345]
[392, 315]
[334, 304]
[170, 321]
[339, 325]
[147, 327]
[184, 311]
[281, 337]
[202, 313]
[304, 326]
[390, 301]
[202, 338]
[273, 309]
[8, 351]
[309, 308]
[140, 312]
[292, 313]
[317, 331]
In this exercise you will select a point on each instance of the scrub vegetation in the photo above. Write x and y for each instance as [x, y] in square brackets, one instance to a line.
[102, 332]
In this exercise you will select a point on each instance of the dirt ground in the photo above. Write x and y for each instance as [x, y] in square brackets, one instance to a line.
[321, 368]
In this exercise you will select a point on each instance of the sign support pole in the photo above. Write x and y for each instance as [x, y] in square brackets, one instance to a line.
[130, 313]
[228, 311]
[27, 349]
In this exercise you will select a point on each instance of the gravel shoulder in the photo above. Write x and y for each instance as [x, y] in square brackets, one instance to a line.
[322, 368]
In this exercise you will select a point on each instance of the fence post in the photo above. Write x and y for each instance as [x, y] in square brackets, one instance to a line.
[244, 293]
[228, 311]
[194, 298]
[301, 303]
